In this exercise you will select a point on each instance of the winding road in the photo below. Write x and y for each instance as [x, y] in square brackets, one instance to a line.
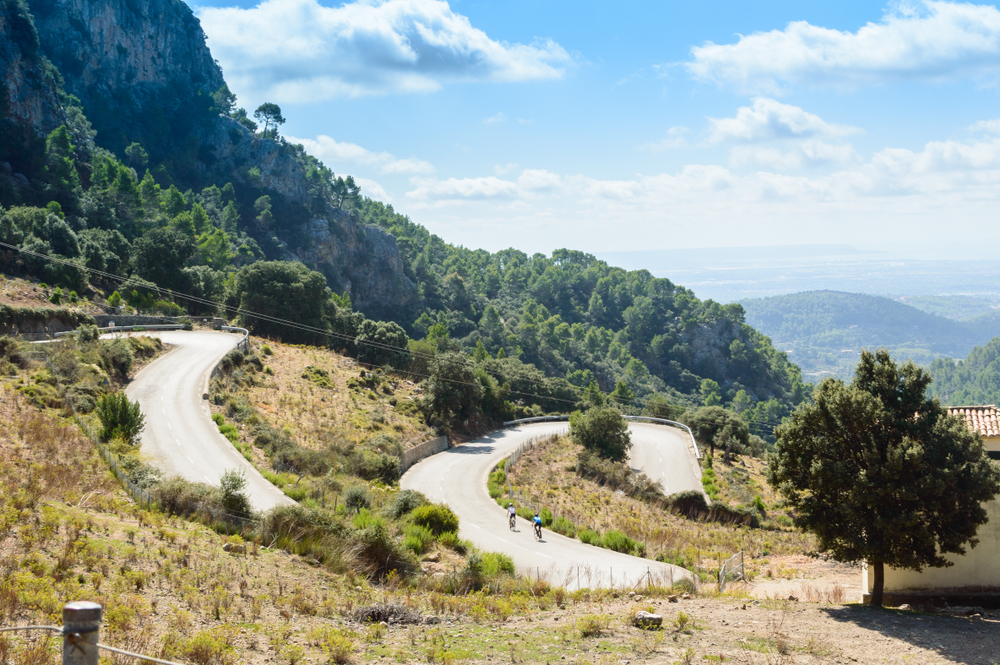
[458, 477]
[180, 437]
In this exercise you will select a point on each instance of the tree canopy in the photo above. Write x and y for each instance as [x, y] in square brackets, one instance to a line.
[602, 430]
[881, 473]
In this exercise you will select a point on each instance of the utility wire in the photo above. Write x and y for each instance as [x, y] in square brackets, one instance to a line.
[296, 325]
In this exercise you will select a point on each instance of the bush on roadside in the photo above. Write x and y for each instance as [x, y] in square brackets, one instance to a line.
[120, 418]
[436, 517]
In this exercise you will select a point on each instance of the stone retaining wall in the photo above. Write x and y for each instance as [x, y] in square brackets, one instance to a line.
[425, 449]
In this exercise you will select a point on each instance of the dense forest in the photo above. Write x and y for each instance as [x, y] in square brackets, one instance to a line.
[974, 380]
[824, 331]
[163, 217]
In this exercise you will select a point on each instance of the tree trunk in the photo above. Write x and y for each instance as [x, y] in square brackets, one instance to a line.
[879, 583]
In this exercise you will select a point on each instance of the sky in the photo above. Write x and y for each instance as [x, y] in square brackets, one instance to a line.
[627, 125]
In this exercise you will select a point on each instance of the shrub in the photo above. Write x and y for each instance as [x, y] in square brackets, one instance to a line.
[563, 526]
[618, 541]
[115, 300]
[592, 625]
[546, 517]
[436, 517]
[497, 563]
[336, 643]
[117, 357]
[451, 540]
[87, 333]
[356, 497]
[56, 297]
[375, 552]
[234, 498]
[266, 350]
[120, 417]
[404, 502]
[590, 537]
[417, 538]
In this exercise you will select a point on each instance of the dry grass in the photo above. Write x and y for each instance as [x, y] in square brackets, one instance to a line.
[19, 292]
[311, 409]
[546, 474]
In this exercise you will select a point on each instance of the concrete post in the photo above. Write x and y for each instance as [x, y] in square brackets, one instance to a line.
[81, 623]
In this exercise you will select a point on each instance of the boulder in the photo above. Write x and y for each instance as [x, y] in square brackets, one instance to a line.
[643, 619]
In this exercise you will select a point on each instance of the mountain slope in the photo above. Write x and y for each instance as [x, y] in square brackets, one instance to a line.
[825, 330]
[142, 74]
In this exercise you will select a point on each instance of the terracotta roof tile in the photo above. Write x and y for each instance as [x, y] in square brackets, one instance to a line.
[982, 419]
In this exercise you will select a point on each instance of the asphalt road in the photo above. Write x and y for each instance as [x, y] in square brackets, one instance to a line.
[458, 476]
[180, 437]
[664, 454]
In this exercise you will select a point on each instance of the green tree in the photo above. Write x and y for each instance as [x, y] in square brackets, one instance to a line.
[621, 395]
[382, 343]
[160, 257]
[283, 290]
[225, 100]
[269, 113]
[717, 427]
[710, 393]
[60, 168]
[232, 486]
[881, 473]
[345, 193]
[452, 391]
[120, 418]
[137, 156]
[602, 430]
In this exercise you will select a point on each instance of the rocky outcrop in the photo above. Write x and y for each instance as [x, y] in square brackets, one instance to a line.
[133, 63]
[29, 104]
[362, 260]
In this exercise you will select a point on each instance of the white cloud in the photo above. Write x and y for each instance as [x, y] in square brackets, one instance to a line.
[499, 117]
[299, 50]
[803, 154]
[674, 139]
[768, 119]
[373, 190]
[936, 41]
[988, 126]
[458, 189]
[504, 169]
[332, 152]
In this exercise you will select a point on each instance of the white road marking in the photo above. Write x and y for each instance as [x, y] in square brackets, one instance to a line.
[189, 459]
[170, 426]
[207, 478]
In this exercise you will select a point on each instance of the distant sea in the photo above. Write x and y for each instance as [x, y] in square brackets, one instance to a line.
[728, 274]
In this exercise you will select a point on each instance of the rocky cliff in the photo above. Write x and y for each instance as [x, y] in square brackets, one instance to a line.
[29, 103]
[143, 73]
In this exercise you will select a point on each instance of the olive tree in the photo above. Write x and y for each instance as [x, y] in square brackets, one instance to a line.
[880, 472]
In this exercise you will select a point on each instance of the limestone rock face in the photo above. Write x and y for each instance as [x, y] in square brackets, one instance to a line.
[28, 101]
[363, 260]
[125, 58]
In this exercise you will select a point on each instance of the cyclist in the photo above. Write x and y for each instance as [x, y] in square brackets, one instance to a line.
[537, 522]
[511, 515]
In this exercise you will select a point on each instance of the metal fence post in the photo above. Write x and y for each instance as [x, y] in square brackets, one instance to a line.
[81, 623]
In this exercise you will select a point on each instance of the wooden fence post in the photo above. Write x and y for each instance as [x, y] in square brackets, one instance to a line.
[81, 623]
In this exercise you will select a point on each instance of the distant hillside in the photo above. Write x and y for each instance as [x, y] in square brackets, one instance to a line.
[824, 331]
[960, 308]
[975, 380]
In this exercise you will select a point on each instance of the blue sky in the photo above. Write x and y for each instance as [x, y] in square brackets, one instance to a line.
[609, 126]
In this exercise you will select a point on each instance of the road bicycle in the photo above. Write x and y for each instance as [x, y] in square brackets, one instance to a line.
[538, 531]
[512, 520]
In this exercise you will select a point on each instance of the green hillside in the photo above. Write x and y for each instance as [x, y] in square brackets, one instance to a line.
[205, 212]
[823, 331]
[975, 380]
